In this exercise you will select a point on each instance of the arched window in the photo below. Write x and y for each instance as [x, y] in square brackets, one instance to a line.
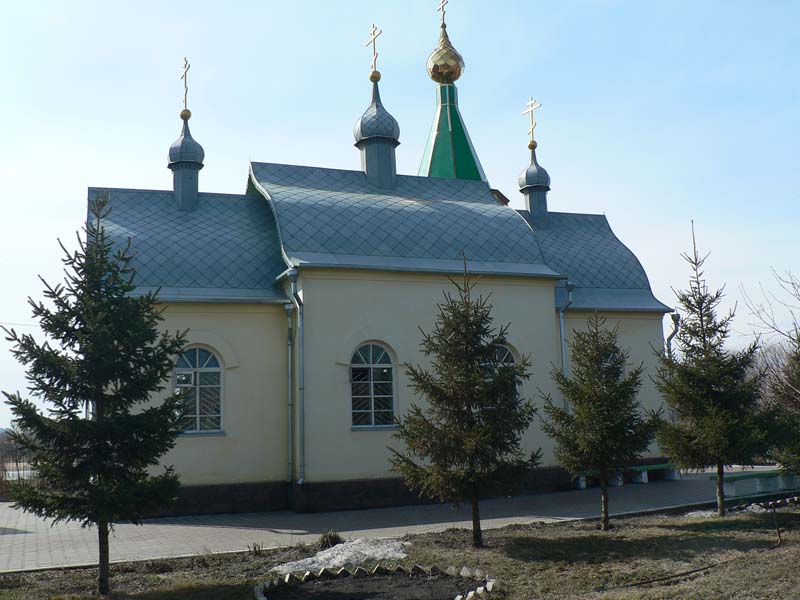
[372, 386]
[504, 356]
[198, 372]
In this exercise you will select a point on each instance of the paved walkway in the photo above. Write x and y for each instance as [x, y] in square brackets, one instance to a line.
[27, 542]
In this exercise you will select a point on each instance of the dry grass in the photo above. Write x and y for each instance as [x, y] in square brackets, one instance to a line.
[575, 560]
[562, 560]
[203, 577]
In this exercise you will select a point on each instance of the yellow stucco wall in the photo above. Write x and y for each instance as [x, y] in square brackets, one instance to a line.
[346, 308]
[642, 335]
[251, 340]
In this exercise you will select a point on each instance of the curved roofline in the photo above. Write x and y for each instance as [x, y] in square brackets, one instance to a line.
[262, 190]
[633, 254]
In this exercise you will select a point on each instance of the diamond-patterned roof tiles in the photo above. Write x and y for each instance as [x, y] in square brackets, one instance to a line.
[226, 249]
[186, 148]
[376, 120]
[323, 212]
[584, 248]
[605, 272]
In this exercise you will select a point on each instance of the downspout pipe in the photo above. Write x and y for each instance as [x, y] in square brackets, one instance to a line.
[676, 325]
[301, 405]
[289, 308]
[562, 332]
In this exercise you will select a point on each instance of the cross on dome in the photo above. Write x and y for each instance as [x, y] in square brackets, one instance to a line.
[442, 9]
[373, 36]
[531, 106]
[185, 77]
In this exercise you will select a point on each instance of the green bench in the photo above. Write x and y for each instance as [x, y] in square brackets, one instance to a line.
[773, 480]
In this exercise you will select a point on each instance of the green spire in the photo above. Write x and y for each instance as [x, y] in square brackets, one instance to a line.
[449, 152]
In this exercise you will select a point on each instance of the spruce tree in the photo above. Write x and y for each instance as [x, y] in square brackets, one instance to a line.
[466, 442]
[603, 427]
[714, 393]
[102, 359]
[784, 391]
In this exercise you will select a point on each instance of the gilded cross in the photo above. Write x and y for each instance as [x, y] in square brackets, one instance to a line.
[185, 77]
[441, 9]
[373, 35]
[531, 106]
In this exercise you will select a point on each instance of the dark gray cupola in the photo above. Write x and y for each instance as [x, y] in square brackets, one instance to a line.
[377, 135]
[534, 182]
[185, 161]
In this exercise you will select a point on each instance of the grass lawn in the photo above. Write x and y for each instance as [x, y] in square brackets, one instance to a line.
[560, 560]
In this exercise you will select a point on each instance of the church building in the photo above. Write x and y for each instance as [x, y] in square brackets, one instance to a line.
[303, 297]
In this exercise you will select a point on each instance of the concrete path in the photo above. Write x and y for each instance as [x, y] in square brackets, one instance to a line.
[27, 542]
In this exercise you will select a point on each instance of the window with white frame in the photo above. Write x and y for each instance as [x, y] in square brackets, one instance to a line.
[504, 356]
[372, 387]
[199, 374]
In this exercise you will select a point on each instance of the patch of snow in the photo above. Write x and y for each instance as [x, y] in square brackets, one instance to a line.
[701, 514]
[349, 553]
[710, 514]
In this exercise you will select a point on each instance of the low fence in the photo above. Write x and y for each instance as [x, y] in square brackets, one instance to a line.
[14, 466]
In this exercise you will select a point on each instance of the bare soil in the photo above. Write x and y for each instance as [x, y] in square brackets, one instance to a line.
[384, 587]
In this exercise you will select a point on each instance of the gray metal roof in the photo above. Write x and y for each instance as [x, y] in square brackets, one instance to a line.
[606, 274]
[229, 248]
[225, 250]
[376, 121]
[337, 218]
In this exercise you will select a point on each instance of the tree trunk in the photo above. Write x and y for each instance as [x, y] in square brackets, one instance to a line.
[103, 586]
[604, 503]
[477, 534]
[720, 489]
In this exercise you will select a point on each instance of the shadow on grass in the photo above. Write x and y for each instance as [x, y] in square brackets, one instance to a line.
[602, 547]
[751, 522]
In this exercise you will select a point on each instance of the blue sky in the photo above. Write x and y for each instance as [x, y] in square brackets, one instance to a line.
[655, 113]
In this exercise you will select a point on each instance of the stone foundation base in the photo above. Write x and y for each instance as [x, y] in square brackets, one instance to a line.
[385, 492]
[229, 498]
[335, 495]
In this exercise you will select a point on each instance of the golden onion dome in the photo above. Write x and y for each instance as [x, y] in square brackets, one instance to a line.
[445, 64]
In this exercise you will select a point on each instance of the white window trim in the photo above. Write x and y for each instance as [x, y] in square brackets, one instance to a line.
[512, 351]
[393, 365]
[221, 369]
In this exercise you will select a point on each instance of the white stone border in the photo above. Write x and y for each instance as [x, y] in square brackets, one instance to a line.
[489, 586]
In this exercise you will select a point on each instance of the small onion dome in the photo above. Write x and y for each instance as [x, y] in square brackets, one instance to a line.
[185, 148]
[535, 175]
[376, 122]
[445, 64]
